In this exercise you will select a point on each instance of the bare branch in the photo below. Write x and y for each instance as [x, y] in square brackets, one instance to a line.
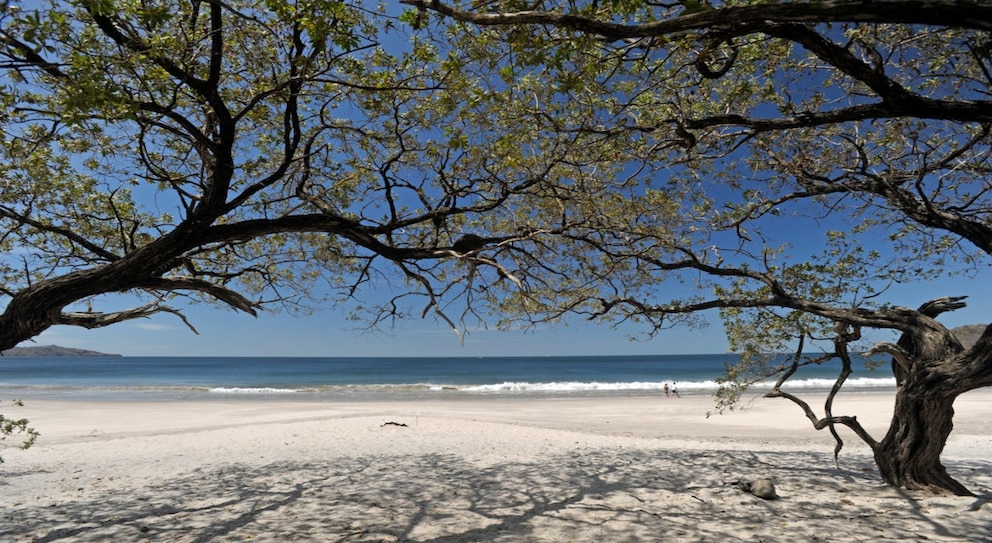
[92, 320]
[829, 420]
[229, 297]
[900, 355]
[937, 306]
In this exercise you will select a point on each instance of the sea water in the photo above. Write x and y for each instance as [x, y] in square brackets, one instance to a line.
[166, 378]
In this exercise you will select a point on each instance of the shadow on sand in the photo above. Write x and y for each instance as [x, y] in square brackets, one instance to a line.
[592, 495]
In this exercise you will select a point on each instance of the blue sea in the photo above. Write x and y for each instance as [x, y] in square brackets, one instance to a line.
[183, 378]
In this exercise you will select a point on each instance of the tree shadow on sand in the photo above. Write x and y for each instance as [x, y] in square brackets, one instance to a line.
[614, 495]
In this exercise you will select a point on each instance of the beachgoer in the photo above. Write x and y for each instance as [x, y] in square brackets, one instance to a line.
[675, 390]
[667, 393]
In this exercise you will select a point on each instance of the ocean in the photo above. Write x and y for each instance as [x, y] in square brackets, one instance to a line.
[185, 378]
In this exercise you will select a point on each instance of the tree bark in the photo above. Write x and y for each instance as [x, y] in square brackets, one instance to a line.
[909, 455]
[940, 370]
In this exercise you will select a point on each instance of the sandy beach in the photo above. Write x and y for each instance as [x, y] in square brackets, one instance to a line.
[610, 469]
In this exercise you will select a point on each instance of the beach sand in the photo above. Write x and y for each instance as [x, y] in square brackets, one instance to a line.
[479, 469]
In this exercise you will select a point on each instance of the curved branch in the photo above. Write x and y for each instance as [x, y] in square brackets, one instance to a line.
[842, 59]
[91, 320]
[433, 303]
[60, 231]
[786, 21]
[895, 318]
[821, 423]
[937, 306]
[230, 297]
[702, 62]
[114, 29]
[890, 187]
[27, 56]
[900, 355]
[975, 365]
[962, 14]
[828, 420]
[215, 194]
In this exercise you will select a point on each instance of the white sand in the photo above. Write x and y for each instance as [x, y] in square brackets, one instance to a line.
[546, 470]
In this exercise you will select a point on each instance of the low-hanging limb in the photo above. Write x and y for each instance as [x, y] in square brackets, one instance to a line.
[849, 322]
[96, 319]
[829, 420]
[234, 299]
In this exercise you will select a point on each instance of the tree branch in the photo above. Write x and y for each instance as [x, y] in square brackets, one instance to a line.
[92, 320]
[895, 318]
[890, 186]
[786, 21]
[965, 14]
[938, 306]
[61, 231]
[900, 355]
[230, 297]
[828, 420]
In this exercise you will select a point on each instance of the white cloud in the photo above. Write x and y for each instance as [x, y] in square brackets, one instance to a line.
[154, 327]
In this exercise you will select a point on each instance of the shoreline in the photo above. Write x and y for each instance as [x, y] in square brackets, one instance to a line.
[543, 470]
[640, 415]
[374, 393]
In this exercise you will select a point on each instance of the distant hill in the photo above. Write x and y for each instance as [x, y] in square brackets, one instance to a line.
[52, 350]
[968, 334]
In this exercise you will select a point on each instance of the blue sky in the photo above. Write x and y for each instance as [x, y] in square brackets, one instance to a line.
[328, 333]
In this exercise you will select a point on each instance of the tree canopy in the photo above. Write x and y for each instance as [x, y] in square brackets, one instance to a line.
[746, 115]
[870, 119]
[259, 155]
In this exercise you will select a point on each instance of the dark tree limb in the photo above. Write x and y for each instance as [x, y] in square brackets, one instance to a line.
[788, 21]
[938, 306]
[229, 297]
[829, 420]
[963, 14]
[92, 320]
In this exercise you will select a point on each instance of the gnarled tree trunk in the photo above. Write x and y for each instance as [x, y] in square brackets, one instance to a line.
[935, 370]
[909, 454]
[932, 369]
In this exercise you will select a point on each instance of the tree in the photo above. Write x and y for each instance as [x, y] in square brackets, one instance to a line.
[871, 119]
[256, 155]
[286, 154]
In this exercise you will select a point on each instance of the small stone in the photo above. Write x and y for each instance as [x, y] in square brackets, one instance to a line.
[764, 489]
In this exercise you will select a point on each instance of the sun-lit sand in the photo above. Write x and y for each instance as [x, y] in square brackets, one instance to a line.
[478, 469]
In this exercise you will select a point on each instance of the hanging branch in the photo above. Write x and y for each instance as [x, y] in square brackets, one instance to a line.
[829, 420]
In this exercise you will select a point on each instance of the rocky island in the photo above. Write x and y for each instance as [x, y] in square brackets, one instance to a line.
[51, 350]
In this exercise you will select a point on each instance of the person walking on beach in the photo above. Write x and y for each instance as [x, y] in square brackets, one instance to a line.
[667, 393]
[675, 390]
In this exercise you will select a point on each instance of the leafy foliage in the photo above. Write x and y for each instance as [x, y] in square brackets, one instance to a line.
[783, 150]
[274, 155]
[12, 427]
[783, 163]
[810, 156]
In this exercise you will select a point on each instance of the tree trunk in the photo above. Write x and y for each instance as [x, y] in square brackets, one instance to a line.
[939, 370]
[909, 455]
